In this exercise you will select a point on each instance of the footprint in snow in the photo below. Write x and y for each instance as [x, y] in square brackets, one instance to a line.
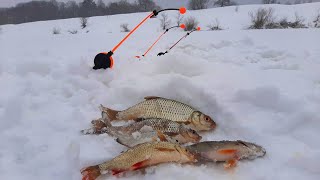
[222, 44]
[273, 55]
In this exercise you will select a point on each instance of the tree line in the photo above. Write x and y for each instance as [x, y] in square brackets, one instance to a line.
[204, 4]
[51, 10]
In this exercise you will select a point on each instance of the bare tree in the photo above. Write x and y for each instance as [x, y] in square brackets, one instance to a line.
[83, 22]
[261, 18]
[147, 5]
[56, 31]
[179, 19]
[317, 20]
[191, 23]
[73, 31]
[215, 26]
[297, 2]
[198, 4]
[42, 10]
[287, 3]
[269, 1]
[101, 7]
[124, 27]
[299, 22]
[236, 9]
[165, 22]
[88, 8]
[222, 3]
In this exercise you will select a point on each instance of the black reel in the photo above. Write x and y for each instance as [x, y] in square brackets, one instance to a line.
[103, 61]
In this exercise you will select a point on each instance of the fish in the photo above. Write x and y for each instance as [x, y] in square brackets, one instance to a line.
[140, 156]
[145, 131]
[226, 151]
[179, 132]
[140, 138]
[158, 107]
[97, 126]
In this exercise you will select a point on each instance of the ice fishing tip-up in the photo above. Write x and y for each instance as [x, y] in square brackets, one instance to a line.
[185, 36]
[104, 60]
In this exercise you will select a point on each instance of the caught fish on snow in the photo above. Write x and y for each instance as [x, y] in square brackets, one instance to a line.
[158, 107]
[171, 129]
[140, 138]
[139, 157]
[226, 151]
[165, 126]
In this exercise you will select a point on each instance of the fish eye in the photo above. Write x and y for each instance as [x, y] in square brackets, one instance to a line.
[207, 119]
[177, 141]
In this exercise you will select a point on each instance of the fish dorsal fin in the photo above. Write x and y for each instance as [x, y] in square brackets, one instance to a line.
[227, 151]
[161, 136]
[140, 164]
[151, 97]
[230, 164]
[116, 171]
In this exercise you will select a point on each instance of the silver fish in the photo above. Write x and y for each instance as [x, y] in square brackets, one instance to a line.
[173, 129]
[227, 151]
[158, 107]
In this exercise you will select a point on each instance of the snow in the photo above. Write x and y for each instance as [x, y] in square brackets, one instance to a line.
[261, 86]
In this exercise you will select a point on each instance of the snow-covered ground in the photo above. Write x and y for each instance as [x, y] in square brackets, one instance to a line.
[259, 85]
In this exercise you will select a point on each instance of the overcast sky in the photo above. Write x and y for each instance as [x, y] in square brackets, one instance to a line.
[9, 3]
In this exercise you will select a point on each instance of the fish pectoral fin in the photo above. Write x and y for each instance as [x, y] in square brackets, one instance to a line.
[151, 97]
[186, 122]
[230, 163]
[90, 173]
[164, 149]
[139, 119]
[171, 133]
[161, 136]
[116, 171]
[228, 151]
[140, 164]
[154, 139]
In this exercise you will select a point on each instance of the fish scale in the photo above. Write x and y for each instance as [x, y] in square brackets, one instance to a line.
[160, 108]
[157, 107]
[140, 153]
[162, 125]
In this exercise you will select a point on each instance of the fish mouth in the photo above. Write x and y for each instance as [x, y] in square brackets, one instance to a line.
[198, 139]
[213, 125]
[195, 140]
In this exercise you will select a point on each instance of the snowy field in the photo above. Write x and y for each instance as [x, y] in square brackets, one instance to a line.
[261, 86]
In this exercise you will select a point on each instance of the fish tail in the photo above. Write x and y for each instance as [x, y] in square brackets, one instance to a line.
[109, 114]
[90, 173]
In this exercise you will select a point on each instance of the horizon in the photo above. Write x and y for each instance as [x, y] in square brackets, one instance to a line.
[162, 3]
